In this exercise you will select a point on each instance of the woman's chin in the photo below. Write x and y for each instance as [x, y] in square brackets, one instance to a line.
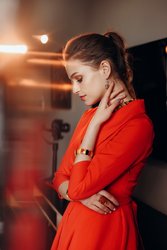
[91, 103]
[87, 103]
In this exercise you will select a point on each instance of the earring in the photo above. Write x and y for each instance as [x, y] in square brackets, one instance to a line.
[107, 84]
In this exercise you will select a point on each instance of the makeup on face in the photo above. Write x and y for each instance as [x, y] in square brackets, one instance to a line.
[87, 82]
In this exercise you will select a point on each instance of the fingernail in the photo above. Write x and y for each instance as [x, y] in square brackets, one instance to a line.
[114, 209]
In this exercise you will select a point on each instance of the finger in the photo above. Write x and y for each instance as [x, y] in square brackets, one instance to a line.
[113, 104]
[119, 97]
[107, 207]
[116, 101]
[107, 204]
[116, 93]
[97, 209]
[102, 207]
[107, 94]
[110, 206]
[109, 197]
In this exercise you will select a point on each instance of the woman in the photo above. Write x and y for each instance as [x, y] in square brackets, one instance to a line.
[107, 151]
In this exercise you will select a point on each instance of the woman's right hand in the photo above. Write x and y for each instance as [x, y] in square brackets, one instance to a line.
[95, 201]
[108, 104]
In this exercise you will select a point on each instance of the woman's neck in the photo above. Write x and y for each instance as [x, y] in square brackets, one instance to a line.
[119, 85]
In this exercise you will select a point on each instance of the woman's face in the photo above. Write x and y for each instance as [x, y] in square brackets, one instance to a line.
[87, 82]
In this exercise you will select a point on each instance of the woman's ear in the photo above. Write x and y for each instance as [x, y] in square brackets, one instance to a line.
[105, 68]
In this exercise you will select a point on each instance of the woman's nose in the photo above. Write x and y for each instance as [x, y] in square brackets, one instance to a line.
[75, 88]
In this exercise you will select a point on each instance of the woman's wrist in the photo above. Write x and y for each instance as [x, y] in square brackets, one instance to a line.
[83, 151]
[95, 123]
[88, 142]
[67, 197]
[63, 190]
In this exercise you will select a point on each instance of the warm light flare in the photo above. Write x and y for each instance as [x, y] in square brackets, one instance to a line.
[44, 39]
[166, 49]
[33, 84]
[45, 61]
[45, 54]
[14, 49]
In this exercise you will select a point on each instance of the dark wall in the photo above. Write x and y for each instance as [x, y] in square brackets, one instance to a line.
[152, 227]
[150, 77]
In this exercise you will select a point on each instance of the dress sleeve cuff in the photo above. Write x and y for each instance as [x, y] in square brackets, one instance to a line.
[58, 180]
[81, 164]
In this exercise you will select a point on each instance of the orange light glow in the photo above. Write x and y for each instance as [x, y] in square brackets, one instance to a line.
[44, 61]
[14, 49]
[166, 49]
[44, 53]
[33, 84]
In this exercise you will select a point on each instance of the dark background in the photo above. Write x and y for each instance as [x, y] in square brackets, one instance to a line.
[150, 79]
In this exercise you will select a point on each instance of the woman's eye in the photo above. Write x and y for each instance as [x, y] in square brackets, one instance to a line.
[79, 80]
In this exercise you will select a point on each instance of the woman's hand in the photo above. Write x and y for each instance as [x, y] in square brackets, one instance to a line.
[108, 103]
[95, 201]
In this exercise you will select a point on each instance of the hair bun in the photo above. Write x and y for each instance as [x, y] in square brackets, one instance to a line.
[116, 39]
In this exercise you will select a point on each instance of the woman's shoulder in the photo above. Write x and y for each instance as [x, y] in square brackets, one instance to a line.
[132, 116]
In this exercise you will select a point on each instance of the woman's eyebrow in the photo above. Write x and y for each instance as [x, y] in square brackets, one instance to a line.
[72, 76]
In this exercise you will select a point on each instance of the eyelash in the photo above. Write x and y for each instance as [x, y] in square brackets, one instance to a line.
[79, 80]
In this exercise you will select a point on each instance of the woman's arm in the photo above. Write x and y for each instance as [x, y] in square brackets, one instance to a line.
[93, 201]
[63, 172]
[62, 175]
[105, 109]
[132, 145]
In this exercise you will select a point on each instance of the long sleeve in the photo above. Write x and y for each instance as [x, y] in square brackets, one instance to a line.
[64, 171]
[131, 145]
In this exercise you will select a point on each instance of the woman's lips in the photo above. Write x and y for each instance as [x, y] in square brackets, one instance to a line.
[82, 97]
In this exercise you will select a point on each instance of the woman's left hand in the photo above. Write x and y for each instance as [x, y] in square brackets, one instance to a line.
[108, 103]
[109, 205]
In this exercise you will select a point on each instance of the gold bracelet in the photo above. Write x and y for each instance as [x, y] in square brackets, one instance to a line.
[84, 152]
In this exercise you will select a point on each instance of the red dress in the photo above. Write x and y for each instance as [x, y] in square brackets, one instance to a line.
[123, 144]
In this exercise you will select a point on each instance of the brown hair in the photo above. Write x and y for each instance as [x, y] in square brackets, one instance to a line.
[92, 48]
